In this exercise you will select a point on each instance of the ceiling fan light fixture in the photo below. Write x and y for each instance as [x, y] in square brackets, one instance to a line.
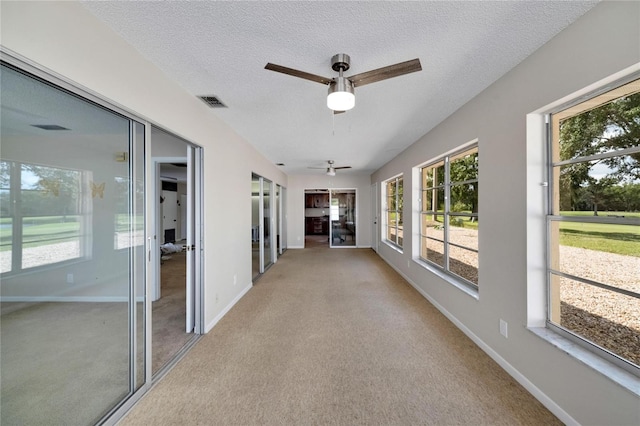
[331, 171]
[341, 95]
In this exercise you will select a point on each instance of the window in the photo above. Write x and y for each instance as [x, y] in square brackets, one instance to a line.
[449, 214]
[393, 211]
[42, 216]
[593, 223]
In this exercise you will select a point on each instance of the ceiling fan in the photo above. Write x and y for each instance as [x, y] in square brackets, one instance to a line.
[331, 170]
[341, 95]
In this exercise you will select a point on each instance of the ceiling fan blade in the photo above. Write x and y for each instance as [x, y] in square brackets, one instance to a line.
[384, 73]
[343, 167]
[338, 112]
[298, 73]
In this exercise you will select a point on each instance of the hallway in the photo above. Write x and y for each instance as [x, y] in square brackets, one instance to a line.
[336, 337]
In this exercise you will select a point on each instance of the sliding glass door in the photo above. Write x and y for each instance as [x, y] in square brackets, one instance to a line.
[264, 230]
[71, 255]
[267, 234]
[280, 219]
[256, 242]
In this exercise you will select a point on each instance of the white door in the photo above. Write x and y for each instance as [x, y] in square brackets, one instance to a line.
[183, 217]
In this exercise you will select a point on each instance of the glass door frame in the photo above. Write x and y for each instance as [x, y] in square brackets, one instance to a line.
[137, 390]
[332, 212]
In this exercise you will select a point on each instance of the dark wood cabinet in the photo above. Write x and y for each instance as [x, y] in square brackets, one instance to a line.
[317, 225]
[317, 201]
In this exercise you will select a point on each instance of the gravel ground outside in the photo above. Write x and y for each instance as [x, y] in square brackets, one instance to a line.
[607, 318]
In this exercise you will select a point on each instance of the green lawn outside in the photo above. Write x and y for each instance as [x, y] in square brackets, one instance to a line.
[601, 214]
[39, 232]
[619, 239]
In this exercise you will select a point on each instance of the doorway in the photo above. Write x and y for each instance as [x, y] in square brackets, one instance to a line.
[342, 215]
[330, 218]
[175, 306]
[316, 218]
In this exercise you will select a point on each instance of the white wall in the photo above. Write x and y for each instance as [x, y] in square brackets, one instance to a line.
[296, 204]
[604, 41]
[67, 39]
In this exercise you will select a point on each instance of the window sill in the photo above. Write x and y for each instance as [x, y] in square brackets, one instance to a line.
[593, 361]
[459, 284]
[393, 246]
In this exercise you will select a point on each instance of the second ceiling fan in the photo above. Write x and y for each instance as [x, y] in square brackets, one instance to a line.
[331, 169]
[341, 95]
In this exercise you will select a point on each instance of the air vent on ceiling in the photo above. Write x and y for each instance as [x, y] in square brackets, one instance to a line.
[49, 127]
[212, 101]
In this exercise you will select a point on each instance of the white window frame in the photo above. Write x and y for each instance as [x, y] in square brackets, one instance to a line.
[551, 244]
[84, 212]
[445, 271]
[386, 211]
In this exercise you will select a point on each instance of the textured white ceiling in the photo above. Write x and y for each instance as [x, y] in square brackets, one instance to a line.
[221, 48]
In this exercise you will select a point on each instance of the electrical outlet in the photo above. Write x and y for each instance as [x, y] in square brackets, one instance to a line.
[235, 279]
[69, 278]
[504, 328]
[408, 263]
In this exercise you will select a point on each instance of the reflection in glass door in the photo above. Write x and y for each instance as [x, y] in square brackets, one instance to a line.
[72, 255]
[342, 215]
[262, 226]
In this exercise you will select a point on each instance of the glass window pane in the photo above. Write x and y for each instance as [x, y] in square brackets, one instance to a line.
[606, 128]
[609, 254]
[464, 166]
[50, 201]
[391, 219]
[610, 186]
[6, 213]
[433, 199]
[391, 203]
[464, 198]
[391, 189]
[606, 318]
[438, 174]
[391, 234]
[464, 263]
[463, 231]
[434, 251]
[426, 177]
[6, 236]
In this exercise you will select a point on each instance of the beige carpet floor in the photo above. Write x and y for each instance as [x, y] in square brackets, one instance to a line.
[336, 337]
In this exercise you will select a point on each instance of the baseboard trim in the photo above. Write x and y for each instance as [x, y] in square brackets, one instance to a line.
[295, 247]
[224, 312]
[549, 403]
